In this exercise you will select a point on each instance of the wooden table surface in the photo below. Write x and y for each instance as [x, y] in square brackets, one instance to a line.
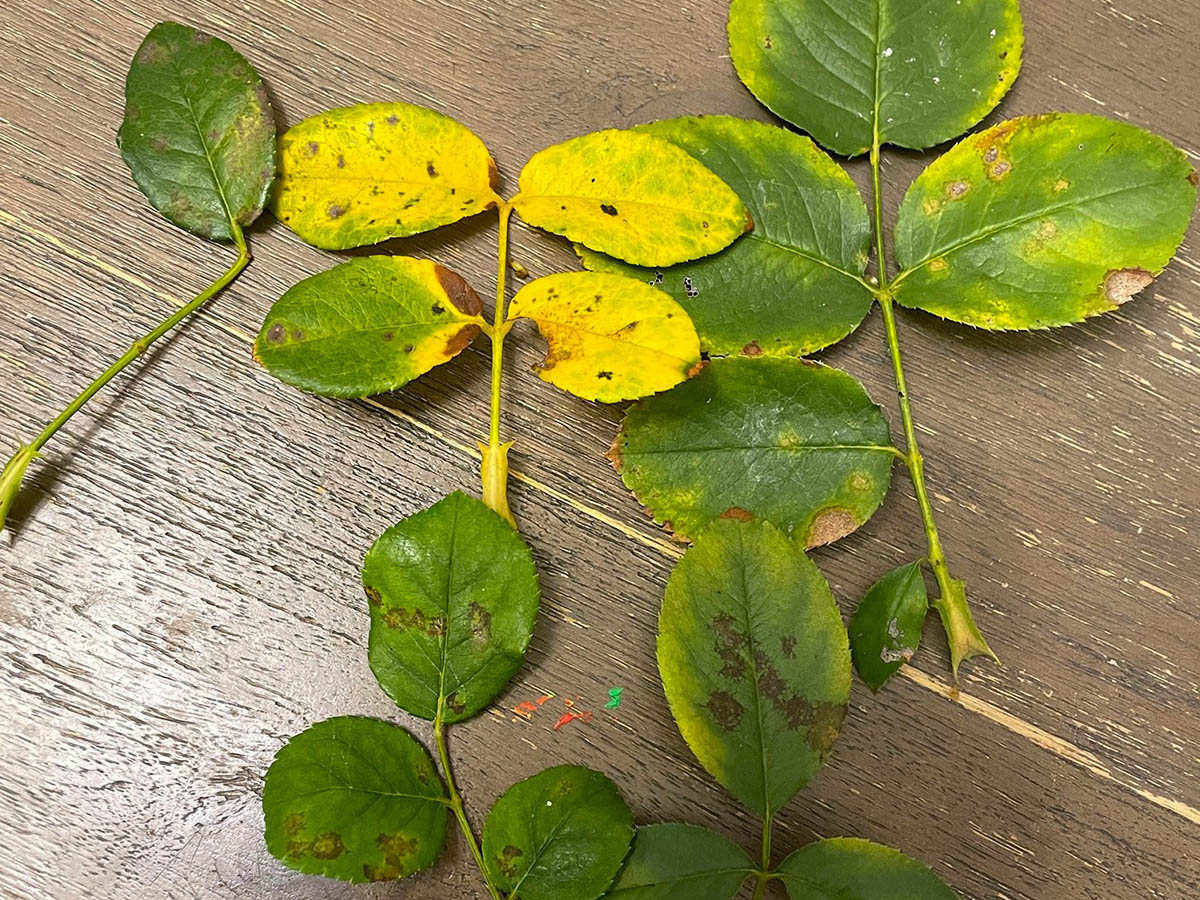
[183, 590]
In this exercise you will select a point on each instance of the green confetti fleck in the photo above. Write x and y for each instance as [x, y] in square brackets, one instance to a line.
[614, 698]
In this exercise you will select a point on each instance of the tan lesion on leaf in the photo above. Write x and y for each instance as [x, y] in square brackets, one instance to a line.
[397, 849]
[1122, 285]
[830, 525]
[460, 340]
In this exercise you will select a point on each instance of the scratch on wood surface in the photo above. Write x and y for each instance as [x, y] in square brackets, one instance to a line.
[1041, 738]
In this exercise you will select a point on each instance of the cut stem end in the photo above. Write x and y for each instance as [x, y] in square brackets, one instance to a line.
[493, 471]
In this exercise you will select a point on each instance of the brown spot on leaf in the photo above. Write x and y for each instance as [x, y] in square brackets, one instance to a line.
[393, 119]
[414, 620]
[1122, 285]
[937, 265]
[749, 222]
[396, 844]
[729, 645]
[767, 43]
[1194, 178]
[341, 161]
[787, 646]
[328, 845]
[430, 170]
[604, 375]
[725, 709]
[608, 209]
[1061, 185]
[456, 702]
[1000, 170]
[312, 148]
[460, 293]
[459, 341]
[277, 333]
[335, 211]
[480, 621]
[374, 597]
[613, 454]
[738, 514]
[152, 53]
[293, 823]
[752, 349]
[507, 859]
[956, 190]
[830, 525]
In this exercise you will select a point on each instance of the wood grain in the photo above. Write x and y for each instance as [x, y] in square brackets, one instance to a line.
[183, 591]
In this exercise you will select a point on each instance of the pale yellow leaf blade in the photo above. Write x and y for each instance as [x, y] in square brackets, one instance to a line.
[633, 196]
[610, 337]
[362, 174]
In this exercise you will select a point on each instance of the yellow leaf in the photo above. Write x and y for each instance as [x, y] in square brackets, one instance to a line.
[611, 337]
[633, 196]
[362, 174]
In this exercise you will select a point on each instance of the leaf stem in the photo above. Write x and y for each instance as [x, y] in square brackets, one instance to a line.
[963, 634]
[14, 470]
[763, 875]
[456, 804]
[494, 466]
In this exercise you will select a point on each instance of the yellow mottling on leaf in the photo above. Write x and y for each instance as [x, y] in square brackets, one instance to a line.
[361, 174]
[610, 337]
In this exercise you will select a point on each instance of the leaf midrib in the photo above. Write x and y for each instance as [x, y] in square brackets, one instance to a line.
[1018, 221]
[208, 158]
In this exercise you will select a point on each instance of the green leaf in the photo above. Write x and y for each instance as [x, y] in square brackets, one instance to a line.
[919, 72]
[199, 132]
[886, 629]
[368, 326]
[632, 196]
[681, 862]
[1042, 221]
[792, 285]
[454, 596]
[754, 660]
[787, 440]
[611, 337]
[362, 174]
[559, 835]
[854, 869]
[356, 799]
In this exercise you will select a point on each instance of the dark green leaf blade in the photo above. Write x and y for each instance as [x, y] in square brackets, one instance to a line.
[921, 72]
[1042, 221]
[454, 596]
[681, 862]
[558, 835]
[854, 869]
[199, 132]
[754, 660]
[886, 629]
[356, 799]
[792, 285]
[368, 326]
[787, 440]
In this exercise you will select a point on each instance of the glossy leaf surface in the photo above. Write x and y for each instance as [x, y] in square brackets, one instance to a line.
[754, 661]
[611, 337]
[368, 326]
[854, 869]
[454, 596]
[632, 196]
[1042, 221]
[356, 799]
[681, 862]
[921, 71]
[199, 132]
[361, 174]
[792, 285]
[558, 835]
[786, 440]
[885, 631]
